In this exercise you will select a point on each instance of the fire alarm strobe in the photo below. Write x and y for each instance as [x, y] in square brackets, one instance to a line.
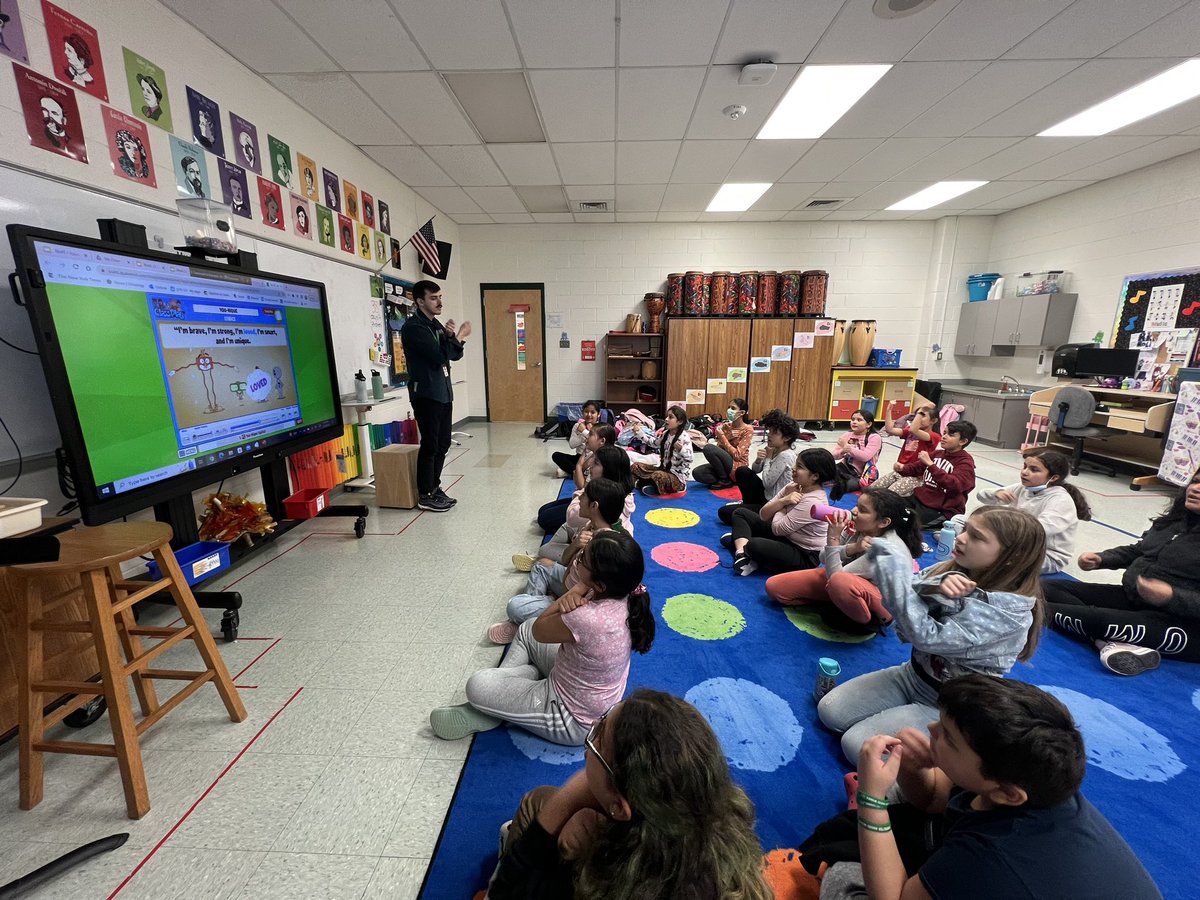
[757, 73]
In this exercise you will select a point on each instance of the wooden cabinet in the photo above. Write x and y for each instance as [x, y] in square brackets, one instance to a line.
[976, 323]
[728, 347]
[808, 397]
[769, 390]
[1039, 320]
[633, 369]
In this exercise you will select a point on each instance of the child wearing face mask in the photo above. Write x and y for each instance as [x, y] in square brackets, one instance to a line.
[857, 452]
[1043, 492]
[728, 450]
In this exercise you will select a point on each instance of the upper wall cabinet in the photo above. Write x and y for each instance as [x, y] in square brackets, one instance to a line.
[996, 327]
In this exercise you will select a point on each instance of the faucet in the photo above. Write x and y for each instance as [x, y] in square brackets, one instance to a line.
[1004, 380]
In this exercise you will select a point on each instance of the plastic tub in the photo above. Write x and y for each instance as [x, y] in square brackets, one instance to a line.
[19, 514]
[207, 225]
[870, 404]
[197, 560]
[979, 285]
[1050, 282]
[884, 359]
[306, 504]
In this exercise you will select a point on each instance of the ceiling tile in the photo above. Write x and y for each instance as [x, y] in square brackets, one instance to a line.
[721, 89]
[566, 34]
[513, 218]
[1166, 148]
[450, 200]
[525, 163]
[498, 105]
[640, 197]
[993, 191]
[586, 163]
[364, 36]
[497, 199]
[342, 105]
[553, 218]
[693, 26]
[635, 216]
[706, 161]
[882, 196]
[683, 197]
[678, 216]
[1176, 120]
[945, 162]
[410, 164]
[805, 215]
[226, 24]
[905, 92]
[645, 162]
[656, 104]
[1095, 80]
[782, 197]
[576, 105]
[1087, 29]
[844, 190]
[589, 218]
[857, 35]
[830, 158]
[421, 101]
[543, 198]
[758, 215]
[767, 160]
[768, 29]
[985, 95]
[1177, 34]
[580, 193]
[1094, 151]
[461, 34]
[1044, 191]
[1020, 155]
[891, 158]
[473, 219]
[720, 217]
[468, 166]
[984, 30]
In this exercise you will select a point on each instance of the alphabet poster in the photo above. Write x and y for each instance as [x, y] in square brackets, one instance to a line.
[281, 161]
[308, 177]
[51, 114]
[74, 51]
[147, 90]
[325, 226]
[128, 146]
[301, 217]
[235, 191]
[12, 32]
[206, 122]
[271, 202]
[190, 168]
[244, 136]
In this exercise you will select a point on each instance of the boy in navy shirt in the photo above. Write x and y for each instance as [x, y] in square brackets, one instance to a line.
[1003, 765]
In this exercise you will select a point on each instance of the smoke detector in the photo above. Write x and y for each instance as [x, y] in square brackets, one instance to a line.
[736, 111]
[895, 9]
[758, 73]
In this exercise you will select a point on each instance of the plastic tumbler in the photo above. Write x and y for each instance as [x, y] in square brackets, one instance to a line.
[828, 671]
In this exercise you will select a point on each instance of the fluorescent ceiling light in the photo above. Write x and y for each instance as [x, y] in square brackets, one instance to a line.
[817, 98]
[1163, 91]
[937, 194]
[737, 197]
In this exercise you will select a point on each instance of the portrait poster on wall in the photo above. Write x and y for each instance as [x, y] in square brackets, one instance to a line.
[271, 202]
[363, 242]
[368, 209]
[244, 137]
[308, 177]
[281, 161]
[395, 253]
[205, 115]
[147, 85]
[190, 168]
[74, 51]
[12, 32]
[128, 146]
[350, 198]
[333, 194]
[235, 190]
[51, 114]
[345, 233]
[385, 217]
[380, 247]
[325, 226]
[301, 217]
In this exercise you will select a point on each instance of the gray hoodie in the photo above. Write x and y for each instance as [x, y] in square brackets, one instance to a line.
[775, 472]
[982, 632]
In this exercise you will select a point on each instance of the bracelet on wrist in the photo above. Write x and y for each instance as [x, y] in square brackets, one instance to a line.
[869, 801]
[873, 826]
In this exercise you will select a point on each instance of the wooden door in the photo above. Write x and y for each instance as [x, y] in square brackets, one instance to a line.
[769, 390]
[728, 346]
[812, 375]
[687, 360]
[515, 393]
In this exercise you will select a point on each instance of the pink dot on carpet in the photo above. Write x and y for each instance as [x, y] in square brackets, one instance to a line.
[729, 493]
[681, 556]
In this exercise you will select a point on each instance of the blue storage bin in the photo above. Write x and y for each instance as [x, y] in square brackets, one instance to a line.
[979, 285]
[870, 404]
[197, 561]
[884, 359]
[570, 412]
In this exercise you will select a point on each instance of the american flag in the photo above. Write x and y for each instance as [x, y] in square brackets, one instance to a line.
[426, 244]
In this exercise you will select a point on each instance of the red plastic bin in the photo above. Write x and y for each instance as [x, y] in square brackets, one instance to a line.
[306, 504]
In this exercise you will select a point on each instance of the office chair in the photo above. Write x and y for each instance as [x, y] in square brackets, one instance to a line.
[1075, 409]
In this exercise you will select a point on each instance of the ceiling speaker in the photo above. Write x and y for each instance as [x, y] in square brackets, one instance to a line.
[894, 9]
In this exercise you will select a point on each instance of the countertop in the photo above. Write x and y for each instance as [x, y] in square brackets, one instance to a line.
[990, 390]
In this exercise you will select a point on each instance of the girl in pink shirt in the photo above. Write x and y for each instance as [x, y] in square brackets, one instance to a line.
[857, 452]
[571, 663]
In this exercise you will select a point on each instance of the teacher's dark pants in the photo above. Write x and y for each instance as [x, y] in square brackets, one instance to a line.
[1104, 612]
[433, 421]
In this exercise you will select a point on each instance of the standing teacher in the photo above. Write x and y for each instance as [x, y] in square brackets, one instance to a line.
[429, 347]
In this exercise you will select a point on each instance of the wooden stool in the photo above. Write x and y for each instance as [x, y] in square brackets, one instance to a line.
[95, 556]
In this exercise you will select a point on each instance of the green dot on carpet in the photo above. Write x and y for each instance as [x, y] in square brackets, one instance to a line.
[807, 619]
[702, 617]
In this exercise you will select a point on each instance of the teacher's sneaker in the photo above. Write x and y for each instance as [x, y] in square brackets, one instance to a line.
[442, 495]
[433, 503]
[1128, 659]
[451, 723]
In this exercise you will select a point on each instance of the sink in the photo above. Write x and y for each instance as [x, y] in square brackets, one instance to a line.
[1012, 393]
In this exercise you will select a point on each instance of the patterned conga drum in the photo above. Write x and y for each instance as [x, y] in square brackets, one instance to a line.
[812, 299]
[706, 294]
[768, 293]
[862, 340]
[747, 293]
[693, 294]
[722, 302]
[789, 292]
[675, 294]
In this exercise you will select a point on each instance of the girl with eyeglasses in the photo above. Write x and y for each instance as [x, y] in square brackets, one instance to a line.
[571, 663]
[653, 814]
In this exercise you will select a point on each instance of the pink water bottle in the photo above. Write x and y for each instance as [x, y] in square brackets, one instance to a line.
[829, 513]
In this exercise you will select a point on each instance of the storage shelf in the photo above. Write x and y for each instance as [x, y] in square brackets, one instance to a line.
[634, 380]
[635, 357]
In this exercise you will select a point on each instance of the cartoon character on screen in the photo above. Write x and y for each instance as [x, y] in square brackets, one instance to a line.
[278, 373]
[204, 363]
[238, 389]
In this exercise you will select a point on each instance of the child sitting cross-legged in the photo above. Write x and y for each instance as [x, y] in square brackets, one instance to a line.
[847, 580]
[602, 506]
[571, 663]
[772, 467]
[948, 473]
[1002, 766]
[674, 467]
[857, 452]
[919, 434]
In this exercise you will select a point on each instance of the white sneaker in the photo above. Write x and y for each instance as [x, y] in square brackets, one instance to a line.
[1128, 659]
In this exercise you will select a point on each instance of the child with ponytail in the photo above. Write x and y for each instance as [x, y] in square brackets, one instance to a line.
[1043, 492]
[848, 579]
[569, 665]
[671, 474]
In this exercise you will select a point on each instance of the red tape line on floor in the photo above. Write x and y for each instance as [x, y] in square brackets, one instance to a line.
[257, 658]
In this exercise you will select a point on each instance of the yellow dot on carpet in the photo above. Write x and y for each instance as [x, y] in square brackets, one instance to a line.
[672, 517]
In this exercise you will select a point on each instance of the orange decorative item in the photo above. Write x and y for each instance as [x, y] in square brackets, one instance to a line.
[649, 370]
[227, 517]
[654, 306]
[789, 292]
[722, 302]
[862, 341]
[839, 340]
[768, 293]
[675, 294]
[693, 294]
[812, 301]
[747, 293]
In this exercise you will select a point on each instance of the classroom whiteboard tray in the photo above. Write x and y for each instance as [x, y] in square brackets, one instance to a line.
[19, 514]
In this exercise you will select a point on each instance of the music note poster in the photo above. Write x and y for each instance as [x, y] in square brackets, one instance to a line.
[1159, 314]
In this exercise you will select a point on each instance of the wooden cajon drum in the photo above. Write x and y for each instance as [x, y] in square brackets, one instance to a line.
[396, 475]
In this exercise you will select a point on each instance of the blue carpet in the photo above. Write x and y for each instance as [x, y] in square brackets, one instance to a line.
[755, 687]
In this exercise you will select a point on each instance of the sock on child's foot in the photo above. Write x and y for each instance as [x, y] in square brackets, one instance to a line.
[502, 633]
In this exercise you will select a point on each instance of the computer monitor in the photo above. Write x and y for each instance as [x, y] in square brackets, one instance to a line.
[166, 373]
[1101, 362]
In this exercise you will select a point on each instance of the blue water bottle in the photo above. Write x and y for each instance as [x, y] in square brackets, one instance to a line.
[946, 541]
[828, 671]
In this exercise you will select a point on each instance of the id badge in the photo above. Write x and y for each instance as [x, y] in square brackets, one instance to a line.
[446, 371]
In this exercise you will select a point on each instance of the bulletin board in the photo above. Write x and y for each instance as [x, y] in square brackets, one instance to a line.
[397, 307]
[1159, 314]
[1181, 451]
